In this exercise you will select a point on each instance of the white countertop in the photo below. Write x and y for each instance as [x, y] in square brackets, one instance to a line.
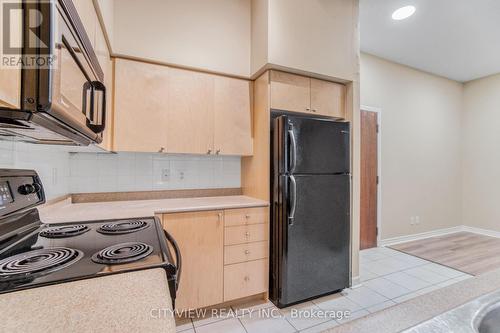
[130, 302]
[65, 211]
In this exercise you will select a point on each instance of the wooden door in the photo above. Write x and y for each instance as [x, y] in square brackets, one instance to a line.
[369, 186]
[190, 112]
[232, 116]
[200, 236]
[140, 112]
[328, 98]
[290, 92]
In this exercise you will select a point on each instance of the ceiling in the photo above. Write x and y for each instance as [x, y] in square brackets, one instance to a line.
[457, 39]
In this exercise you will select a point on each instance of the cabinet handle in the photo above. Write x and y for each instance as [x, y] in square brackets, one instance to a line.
[247, 234]
[217, 152]
[308, 109]
[247, 216]
[162, 149]
[247, 251]
[209, 151]
[313, 110]
[220, 217]
[247, 278]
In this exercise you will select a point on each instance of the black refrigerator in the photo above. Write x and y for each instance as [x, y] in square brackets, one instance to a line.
[310, 229]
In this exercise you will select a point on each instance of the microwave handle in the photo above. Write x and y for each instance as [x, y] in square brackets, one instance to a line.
[87, 100]
[97, 87]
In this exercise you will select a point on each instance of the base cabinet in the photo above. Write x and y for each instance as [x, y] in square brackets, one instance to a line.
[200, 239]
[221, 261]
[244, 279]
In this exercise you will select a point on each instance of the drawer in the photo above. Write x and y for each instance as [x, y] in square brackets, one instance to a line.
[245, 252]
[246, 234]
[245, 279]
[243, 216]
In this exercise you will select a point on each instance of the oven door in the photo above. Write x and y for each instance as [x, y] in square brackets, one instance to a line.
[70, 89]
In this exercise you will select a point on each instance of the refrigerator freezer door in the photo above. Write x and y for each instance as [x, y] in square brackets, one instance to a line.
[315, 258]
[312, 146]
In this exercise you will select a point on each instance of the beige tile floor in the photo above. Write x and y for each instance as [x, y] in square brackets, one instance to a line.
[387, 277]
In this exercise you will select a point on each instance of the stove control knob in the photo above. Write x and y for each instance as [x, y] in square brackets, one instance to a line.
[27, 189]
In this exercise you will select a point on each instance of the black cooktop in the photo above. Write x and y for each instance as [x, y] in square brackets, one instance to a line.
[40, 258]
[34, 254]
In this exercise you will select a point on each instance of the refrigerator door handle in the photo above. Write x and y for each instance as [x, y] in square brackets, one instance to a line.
[293, 199]
[293, 149]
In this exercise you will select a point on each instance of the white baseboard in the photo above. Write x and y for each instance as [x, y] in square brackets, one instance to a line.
[480, 231]
[423, 235]
[356, 282]
[438, 232]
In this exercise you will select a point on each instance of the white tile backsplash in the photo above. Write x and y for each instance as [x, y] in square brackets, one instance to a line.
[51, 163]
[145, 172]
[63, 172]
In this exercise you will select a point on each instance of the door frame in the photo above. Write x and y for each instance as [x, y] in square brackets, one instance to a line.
[379, 166]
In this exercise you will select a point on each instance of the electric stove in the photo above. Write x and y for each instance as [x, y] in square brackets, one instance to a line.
[34, 254]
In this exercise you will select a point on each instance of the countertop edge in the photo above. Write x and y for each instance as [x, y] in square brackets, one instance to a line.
[408, 314]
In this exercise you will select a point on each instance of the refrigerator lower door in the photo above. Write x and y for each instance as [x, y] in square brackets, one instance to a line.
[316, 237]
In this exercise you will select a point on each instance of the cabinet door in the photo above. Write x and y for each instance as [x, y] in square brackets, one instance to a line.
[290, 92]
[141, 102]
[101, 50]
[200, 236]
[190, 112]
[88, 16]
[328, 98]
[10, 77]
[232, 116]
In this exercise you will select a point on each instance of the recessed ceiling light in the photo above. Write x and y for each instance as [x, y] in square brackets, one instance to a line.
[403, 13]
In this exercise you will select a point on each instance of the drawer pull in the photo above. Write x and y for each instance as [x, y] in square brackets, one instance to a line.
[247, 234]
[247, 251]
[247, 278]
[247, 216]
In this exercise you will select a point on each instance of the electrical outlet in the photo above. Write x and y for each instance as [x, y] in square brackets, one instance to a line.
[417, 220]
[412, 220]
[165, 175]
[181, 175]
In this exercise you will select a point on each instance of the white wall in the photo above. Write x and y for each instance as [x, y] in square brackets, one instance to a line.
[421, 145]
[481, 153]
[306, 36]
[51, 163]
[143, 172]
[212, 35]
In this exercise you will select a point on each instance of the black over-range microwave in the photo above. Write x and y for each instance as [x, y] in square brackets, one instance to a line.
[63, 97]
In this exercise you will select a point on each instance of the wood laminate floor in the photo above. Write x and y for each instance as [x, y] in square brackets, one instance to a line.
[464, 251]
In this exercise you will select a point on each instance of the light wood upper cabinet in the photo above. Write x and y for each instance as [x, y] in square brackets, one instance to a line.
[88, 16]
[290, 92]
[10, 88]
[10, 77]
[328, 98]
[298, 93]
[200, 236]
[190, 112]
[159, 108]
[232, 116]
[141, 106]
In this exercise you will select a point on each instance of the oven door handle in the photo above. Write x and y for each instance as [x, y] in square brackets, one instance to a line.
[178, 258]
